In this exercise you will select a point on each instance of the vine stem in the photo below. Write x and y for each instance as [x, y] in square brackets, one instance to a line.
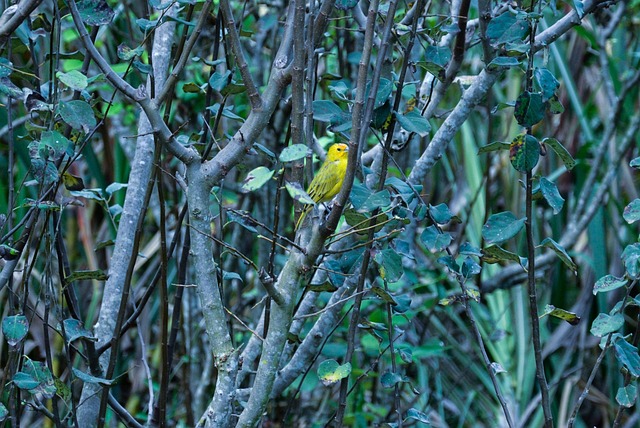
[533, 306]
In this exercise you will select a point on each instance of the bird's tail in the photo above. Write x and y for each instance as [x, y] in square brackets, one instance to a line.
[305, 211]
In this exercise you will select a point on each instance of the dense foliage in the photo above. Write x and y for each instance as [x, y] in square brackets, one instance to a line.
[479, 266]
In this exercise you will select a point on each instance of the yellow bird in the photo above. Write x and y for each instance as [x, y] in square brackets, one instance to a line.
[328, 181]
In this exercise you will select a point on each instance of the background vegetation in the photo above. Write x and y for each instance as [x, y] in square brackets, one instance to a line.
[478, 268]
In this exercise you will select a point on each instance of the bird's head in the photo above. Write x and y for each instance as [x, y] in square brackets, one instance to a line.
[337, 152]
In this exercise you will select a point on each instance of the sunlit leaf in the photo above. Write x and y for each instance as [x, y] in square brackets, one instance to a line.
[330, 372]
[257, 178]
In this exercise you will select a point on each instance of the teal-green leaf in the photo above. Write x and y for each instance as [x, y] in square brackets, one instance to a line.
[78, 114]
[529, 108]
[495, 146]
[413, 121]
[297, 193]
[293, 152]
[218, 80]
[627, 354]
[507, 28]
[440, 213]
[502, 226]
[95, 12]
[24, 381]
[418, 416]
[551, 195]
[87, 378]
[257, 178]
[345, 4]
[635, 163]
[503, 61]
[631, 212]
[15, 328]
[55, 142]
[560, 252]
[73, 79]
[495, 254]
[434, 240]
[41, 373]
[626, 396]
[390, 265]
[328, 111]
[125, 53]
[6, 67]
[608, 283]
[390, 379]
[524, 152]
[329, 372]
[546, 82]
[561, 152]
[74, 329]
[631, 258]
[605, 324]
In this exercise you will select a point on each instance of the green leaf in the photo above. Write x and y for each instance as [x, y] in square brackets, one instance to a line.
[467, 249]
[450, 263]
[324, 287]
[631, 212]
[503, 61]
[384, 91]
[501, 227]
[562, 314]
[345, 4]
[293, 152]
[495, 254]
[546, 82]
[529, 108]
[635, 163]
[218, 81]
[146, 25]
[626, 396]
[78, 114]
[507, 28]
[389, 264]
[298, 193]
[74, 329]
[4, 412]
[551, 195]
[55, 142]
[87, 275]
[191, 88]
[95, 12]
[73, 79]
[413, 121]
[328, 111]
[226, 112]
[257, 178]
[493, 147]
[561, 152]
[114, 187]
[417, 415]
[434, 240]
[436, 59]
[6, 67]
[605, 324]
[561, 253]
[9, 89]
[524, 152]
[125, 53]
[25, 381]
[365, 201]
[330, 372]
[627, 354]
[87, 378]
[608, 283]
[441, 213]
[42, 375]
[390, 379]
[243, 218]
[384, 295]
[630, 258]
[470, 267]
[15, 328]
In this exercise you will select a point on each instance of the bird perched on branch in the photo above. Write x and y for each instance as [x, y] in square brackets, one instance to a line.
[328, 180]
